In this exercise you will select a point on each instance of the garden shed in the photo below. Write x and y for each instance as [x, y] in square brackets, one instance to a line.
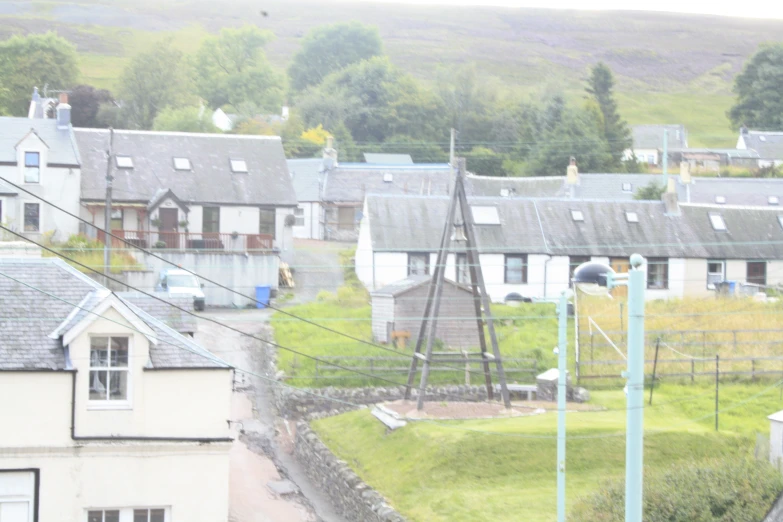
[399, 306]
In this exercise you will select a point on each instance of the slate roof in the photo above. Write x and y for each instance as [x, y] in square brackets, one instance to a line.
[546, 226]
[29, 317]
[406, 285]
[267, 182]
[388, 159]
[307, 176]
[651, 136]
[62, 148]
[737, 191]
[176, 319]
[350, 182]
[491, 186]
[769, 145]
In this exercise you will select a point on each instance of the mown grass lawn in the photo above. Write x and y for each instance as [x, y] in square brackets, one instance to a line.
[504, 469]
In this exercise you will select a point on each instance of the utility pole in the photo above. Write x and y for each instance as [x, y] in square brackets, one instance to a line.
[107, 214]
[634, 438]
[665, 159]
[562, 389]
[451, 149]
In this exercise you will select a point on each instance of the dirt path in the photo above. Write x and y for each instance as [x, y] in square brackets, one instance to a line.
[267, 484]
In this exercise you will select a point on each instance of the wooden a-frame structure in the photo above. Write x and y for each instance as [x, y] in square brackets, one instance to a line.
[428, 328]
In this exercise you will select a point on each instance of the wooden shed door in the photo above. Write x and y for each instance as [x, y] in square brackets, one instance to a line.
[621, 265]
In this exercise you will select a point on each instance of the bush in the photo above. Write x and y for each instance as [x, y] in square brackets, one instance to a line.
[716, 491]
[324, 295]
[81, 243]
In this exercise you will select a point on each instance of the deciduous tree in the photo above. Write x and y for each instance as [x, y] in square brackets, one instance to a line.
[35, 60]
[232, 68]
[85, 102]
[330, 48]
[759, 90]
[184, 119]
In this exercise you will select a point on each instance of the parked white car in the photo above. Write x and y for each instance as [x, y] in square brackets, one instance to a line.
[181, 282]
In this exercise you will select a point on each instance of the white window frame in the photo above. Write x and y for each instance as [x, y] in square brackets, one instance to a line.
[238, 166]
[578, 216]
[299, 217]
[31, 169]
[110, 404]
[627, 187]
[40, 218]
[722, 274]
[123, 162]
[126, 513]
[632, 217]
[717, 222]
[182, 164]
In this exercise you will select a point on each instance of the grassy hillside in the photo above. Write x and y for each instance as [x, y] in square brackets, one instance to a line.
[504, 469]
[670, 67]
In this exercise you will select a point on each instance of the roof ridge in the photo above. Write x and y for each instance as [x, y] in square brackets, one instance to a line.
[182, 134]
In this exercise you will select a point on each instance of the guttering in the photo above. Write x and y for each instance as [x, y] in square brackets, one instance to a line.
[124, 438]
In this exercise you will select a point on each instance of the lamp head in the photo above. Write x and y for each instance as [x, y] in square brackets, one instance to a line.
[592, 278]
[459, 233]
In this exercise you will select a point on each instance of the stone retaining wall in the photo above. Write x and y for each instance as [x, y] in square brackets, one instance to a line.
[354, 499]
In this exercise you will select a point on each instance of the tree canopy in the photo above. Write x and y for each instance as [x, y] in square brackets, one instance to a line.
[600, 86]
[152, 81]
[651, 191]
[330, 48]
[86, 102]
[232, 68]
[35, 60]
[759, 90]
[184, 119]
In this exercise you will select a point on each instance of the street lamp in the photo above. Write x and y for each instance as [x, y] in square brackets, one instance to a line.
[591, 276]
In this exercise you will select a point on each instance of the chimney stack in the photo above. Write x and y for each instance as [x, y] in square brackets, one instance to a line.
[685, 173]
[670, 202]
[330, 153]
[63, 113]
[572, 173]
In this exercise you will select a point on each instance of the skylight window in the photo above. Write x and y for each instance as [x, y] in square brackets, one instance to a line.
[627, 187]
[504, 193]
[763, 138]
[485, 215]
[238, 165]
[780, 221]
[632, 217]
[717, 222]
[182, 164]
[388, 177]
[577, 215]
[773, 200]
[720, 199]
[124, 162]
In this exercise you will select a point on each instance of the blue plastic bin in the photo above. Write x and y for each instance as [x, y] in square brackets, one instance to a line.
[262, 296]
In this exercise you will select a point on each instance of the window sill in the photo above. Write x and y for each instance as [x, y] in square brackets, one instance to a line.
[109, 406]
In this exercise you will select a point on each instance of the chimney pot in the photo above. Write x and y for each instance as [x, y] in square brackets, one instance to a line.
[63, 97]
[572, 173]
[685, 172]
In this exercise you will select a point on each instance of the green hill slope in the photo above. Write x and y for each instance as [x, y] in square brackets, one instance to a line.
[670, 67]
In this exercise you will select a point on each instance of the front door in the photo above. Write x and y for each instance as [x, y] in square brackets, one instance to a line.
[168, 227]
[620, 265]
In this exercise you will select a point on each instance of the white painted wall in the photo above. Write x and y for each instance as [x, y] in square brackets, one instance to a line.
[60, 186]
[313, 221]
[190, 479]
[776, 443]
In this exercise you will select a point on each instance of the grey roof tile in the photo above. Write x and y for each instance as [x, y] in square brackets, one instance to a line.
[171, 316]
[769, 145]
[62, 150]
[349, 183]
[307, 176]
[267, 182]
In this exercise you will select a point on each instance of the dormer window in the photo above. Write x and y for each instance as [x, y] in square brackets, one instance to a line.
[108, 380]
[720, 199]
[182, 164]
[388, 177]
[773, 200]
[577, 215]
[717, 222]
[32, 167]
[124, 162]
[632, 217]
[627, 187]
[238, 165]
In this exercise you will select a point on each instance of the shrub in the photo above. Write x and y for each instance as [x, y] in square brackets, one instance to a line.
[81, 243]
[324, 295]
[717, 491]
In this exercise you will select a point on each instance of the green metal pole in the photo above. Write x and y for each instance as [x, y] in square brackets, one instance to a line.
[562, 382]
[634, 438]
